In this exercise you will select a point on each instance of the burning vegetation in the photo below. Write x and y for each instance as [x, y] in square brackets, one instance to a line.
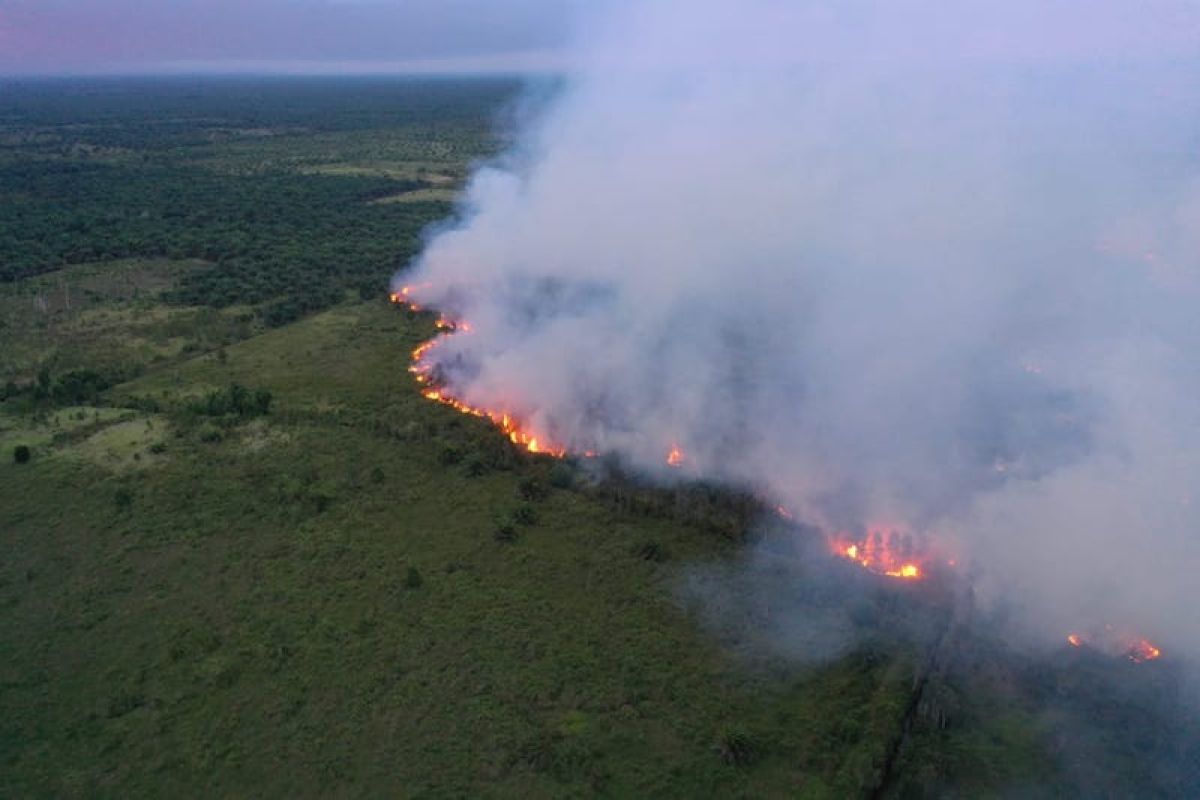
[518, 432]
[883, 551]
[1117, 644]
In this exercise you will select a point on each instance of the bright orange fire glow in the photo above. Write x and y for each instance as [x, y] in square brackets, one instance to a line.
[404, 296]
[1112, 643]
[880, 553]
[675, 457]
[517, 433]
[1142, 650]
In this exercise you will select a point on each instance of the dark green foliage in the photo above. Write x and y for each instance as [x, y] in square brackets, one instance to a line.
[159, 115]
[123, 499]
[475, 467]
[737, 748]
[21, 454]
[377, 475]
[412, 578]
[532, 490]
[506, 533]
[100, 172]
[268, 235]
[561, 476]
[235, 400]
[651, 551]
[210, 434]
[74, 387]
[450, 455]
[525, 515]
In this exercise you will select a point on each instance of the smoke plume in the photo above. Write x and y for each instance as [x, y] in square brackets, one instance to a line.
[928, 266]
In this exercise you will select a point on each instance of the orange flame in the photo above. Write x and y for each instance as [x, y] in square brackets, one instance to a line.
[516, 432]
[1137, 650]
[878, 552]
[1142, 650]
[404, 296]
[675, 456]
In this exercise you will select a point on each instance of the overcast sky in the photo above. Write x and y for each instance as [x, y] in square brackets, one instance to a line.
[319, 36]
[88, 36]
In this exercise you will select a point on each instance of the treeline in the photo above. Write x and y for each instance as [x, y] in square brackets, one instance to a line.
[74, 387]
[301, 239]
[235, 400]
[195, 168]
[166, 113]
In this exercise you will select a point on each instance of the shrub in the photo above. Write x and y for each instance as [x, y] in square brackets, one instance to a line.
[532, 490]
[475, 467]
[561, 476]
[123, 499]
[377, 475]
[525, 515]
[450, 455]
[412, 578]
[506, 533]
[236, 400]
[22, 454]
[651, 551]
[737, 748]
[210, 434]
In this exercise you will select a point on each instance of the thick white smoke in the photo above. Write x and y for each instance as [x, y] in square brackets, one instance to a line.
[933, 265]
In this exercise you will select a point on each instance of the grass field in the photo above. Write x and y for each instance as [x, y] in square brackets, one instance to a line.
[317, 601]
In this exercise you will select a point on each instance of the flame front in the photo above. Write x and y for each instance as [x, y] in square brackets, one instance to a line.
[1142, 650]
[1115, 644]
[517, 432]
[881, 552]
[675, 456]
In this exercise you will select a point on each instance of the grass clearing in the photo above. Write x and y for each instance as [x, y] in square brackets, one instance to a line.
[127, 445]
[107, 317]
[420, 196]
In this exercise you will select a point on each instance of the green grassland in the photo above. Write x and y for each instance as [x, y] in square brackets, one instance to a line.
[108, 317]
[316, 601]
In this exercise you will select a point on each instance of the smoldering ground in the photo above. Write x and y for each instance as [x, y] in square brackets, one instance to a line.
[925, 265]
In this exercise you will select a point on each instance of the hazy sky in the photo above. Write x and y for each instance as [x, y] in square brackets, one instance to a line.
[122, 36]
[39, 36]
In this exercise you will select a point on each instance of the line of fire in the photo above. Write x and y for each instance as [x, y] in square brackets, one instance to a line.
[886, 551]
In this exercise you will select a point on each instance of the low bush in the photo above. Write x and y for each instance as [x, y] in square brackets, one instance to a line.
[525, 515]
[737, 748]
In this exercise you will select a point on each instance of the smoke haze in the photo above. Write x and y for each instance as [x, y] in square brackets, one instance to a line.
[934, 267]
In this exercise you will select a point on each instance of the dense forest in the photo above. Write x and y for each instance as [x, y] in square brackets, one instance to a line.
[170, 169]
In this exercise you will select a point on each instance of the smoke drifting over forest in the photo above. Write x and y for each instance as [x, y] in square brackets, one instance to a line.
[927, 266]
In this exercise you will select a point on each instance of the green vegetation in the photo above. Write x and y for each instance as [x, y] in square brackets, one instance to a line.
[243, 556]
[290, 196]
[316, 588]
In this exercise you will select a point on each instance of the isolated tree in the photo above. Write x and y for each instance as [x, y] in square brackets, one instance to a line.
[21, 454]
